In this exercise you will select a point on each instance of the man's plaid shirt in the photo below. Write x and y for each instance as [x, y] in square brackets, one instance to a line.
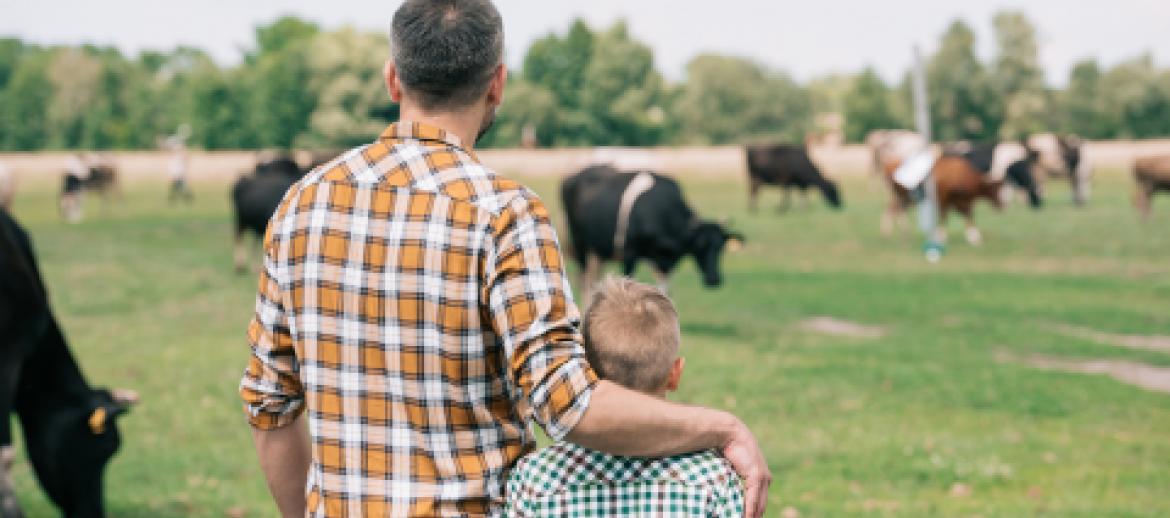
[569, 480]
[416, 304]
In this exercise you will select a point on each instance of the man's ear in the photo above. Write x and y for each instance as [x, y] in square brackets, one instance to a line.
[676, 372]
[495, 93]
[393, 85]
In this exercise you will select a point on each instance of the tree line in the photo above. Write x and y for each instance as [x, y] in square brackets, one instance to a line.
[303, 86]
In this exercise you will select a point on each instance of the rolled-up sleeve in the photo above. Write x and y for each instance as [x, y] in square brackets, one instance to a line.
[271, 387]
[532, 311]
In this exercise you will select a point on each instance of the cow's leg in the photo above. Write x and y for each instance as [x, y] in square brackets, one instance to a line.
[589, 278]
[787, 200]
[940, 231]
[9, 507]
[974, 236]
[1142, 198]
[662, 280]
[890, 216]
[240, 253]
[753, 194]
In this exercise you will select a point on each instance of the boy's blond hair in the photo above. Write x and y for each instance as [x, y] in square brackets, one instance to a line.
[631, 334]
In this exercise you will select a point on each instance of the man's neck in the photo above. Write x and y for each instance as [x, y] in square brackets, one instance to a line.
[465, 124]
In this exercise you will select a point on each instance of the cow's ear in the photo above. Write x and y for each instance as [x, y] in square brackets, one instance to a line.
[735, 242]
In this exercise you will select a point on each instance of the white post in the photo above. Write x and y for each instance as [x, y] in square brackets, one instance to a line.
[928, 207]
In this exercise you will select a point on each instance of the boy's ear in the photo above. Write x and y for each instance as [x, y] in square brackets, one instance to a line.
[676, 372]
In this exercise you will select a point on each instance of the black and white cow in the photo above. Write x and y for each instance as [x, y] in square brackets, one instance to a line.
[69, 428]
[629, 216]
[789, 167]
[255, 198]
[1015, 163]
[1063, 156]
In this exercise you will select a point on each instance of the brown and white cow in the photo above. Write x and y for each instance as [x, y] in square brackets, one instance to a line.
[1152, 174]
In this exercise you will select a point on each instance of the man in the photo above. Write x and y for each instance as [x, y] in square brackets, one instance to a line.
[416, 304]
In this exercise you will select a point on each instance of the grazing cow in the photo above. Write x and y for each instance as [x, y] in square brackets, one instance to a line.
[627, 216]
[256, 196]
[69, 428]
[1152, 174]
[787, 166]
[89, 174]
[1014, 162]
[890, 148]
[962, 179]
[1063, 156]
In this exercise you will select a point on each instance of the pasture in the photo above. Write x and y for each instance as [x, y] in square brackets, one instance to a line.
[929, 410]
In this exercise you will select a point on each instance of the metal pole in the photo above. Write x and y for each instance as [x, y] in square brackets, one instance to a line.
[928, 207]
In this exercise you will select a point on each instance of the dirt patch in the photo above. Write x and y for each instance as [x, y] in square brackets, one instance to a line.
[1146, 342]
[838, 327]
[1149, 377]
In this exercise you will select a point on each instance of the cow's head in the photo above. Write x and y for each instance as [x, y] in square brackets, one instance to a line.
[832, 194]
[78, 445]
[707, 242]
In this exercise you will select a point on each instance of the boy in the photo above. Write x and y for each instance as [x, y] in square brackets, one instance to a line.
[631, 338]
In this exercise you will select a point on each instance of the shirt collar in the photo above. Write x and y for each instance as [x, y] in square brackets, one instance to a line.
[403, 130]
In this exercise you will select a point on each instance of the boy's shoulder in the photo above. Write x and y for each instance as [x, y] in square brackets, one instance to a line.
[566, 464]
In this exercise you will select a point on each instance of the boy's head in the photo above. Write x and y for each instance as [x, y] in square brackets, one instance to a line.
[632, 336]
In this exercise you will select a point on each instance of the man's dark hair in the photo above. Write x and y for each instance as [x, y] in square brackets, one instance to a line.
[447, 50]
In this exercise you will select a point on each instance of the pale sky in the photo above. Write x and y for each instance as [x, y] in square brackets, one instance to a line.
[806, 38]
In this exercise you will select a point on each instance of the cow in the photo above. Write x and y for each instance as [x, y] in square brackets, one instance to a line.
[890, 148]
[255, 198]
[1151, 174]
[1063, 156]
[789, 167]
[1015, 162]
[92, 173]
[69, 428]
[624, 216]
[961, 179]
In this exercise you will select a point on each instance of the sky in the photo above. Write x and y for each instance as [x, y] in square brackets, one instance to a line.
[805, 38]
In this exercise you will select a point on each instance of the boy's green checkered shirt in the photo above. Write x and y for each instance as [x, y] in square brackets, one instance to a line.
[569, 480]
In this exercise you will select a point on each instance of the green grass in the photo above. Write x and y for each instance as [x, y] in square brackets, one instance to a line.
[850, 426]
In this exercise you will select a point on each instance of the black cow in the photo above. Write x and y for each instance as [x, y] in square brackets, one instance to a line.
[787, 166]
[255, 198]
[69, 428]
[658, 225]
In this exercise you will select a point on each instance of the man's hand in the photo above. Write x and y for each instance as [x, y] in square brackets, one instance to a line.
[620, 421]
[744, 454]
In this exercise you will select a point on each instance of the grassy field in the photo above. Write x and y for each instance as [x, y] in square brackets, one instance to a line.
[925, 420]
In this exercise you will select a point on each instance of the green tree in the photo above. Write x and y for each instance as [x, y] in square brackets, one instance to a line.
[352, 106]
[1084, 106]
[728, 99]
[1018, 77]
[622, 90]
[963, 104]
[525, 105]
[868, 106]
[25, 102]
[279, 72]
[559, 64]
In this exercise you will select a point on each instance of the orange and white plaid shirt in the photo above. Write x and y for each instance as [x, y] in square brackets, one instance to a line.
[416, 304]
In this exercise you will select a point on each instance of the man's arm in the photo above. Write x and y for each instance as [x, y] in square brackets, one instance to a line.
[620, 421]
[284, 457]
[271, 388]
[532, 311]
